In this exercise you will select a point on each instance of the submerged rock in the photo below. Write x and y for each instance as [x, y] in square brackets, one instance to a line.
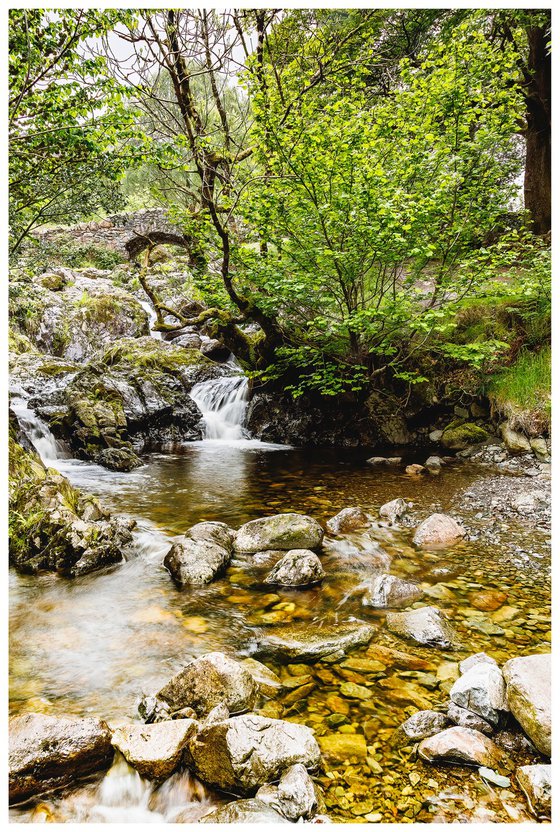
[245, 752]
[212, 679]
[48, 753]
[481, 689]
[343, 747]
[155, 751]
[426, 625]
[438, 529]
[461, 745]
[528, 681]
[252, 810]
[393, 510]
[298, 643]
[348, 520]
[386, 591]
[282, 531]
[298, 567]
[196, 562]
[536, 783]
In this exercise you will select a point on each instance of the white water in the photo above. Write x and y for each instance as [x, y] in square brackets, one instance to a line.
[222, 402]
[153, 318]
[37, 432]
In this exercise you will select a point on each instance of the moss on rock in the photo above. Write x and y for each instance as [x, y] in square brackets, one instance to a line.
[459, 435]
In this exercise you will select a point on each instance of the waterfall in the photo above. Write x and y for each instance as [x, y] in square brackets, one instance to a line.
[37, 431]
[222, 402]
[153, 318]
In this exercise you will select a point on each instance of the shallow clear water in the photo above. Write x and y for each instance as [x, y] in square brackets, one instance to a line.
[92, 645]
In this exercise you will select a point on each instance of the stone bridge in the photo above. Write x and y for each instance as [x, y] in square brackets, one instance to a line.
[128, 234]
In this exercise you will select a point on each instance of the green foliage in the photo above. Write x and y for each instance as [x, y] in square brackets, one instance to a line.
[40, 256]
[524, 386]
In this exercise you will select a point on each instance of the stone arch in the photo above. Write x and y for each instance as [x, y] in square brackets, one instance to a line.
[139, 242]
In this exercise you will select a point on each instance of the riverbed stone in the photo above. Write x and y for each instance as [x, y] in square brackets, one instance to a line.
[252, 810]
[195, 562]
[420, 725]
[155, 751]
[528, 683]
[540, 448]
[457, 436]
[481, 689]
[268, 682]
[213, 532]
[392, 461]
[348, 520]
[468, 719]
[476, 658]
[536, 783]
[281, 531]
[297, 643]
[438, 529]
[298, 567]
[425, 625]
[393, 510]
[47, 753]
[387, 591]
[461, 745]
[245, 752]
[488, 600]
[295, 796]
[208, 681]
[341, 747]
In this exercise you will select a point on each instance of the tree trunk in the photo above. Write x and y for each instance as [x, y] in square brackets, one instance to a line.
[537, 185]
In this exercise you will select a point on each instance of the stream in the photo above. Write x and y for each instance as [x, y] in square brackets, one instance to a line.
[93, 645]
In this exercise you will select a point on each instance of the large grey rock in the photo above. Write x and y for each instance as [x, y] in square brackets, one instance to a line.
[476, 658]
[438, 530]
[386, 591]
[468, 719]
[298, 567]
[213, 532]
[461, 745]
[536, 782]
[196, 562]
[208, 681]
[48, 752]
[268, 682]
[244, 811]
[282, 531]
[245, 752]
[426, 625]
[155, 751]
[348, 520]
[298, 643]
[295, 796]
[481, 689]
[393, 510]
[421, 725]
[528, 684]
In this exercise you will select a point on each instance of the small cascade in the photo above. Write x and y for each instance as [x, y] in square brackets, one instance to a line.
[223, 402]
[37, 431]
[153, 318]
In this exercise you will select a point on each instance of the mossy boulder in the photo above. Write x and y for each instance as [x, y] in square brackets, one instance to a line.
[460, 435]
[54, 526]
[71, 315]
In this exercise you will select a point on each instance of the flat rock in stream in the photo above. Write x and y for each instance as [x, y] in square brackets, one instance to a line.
[298, 567]
[297, 643]
[426, 625]
[244, 752]
[48, 752]
[528, 681]
[282, 531]
[245, 811]
[461, 745]
[438, 530]
[420, 725]
[155, 751]
[196, 562]
[211, 680]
